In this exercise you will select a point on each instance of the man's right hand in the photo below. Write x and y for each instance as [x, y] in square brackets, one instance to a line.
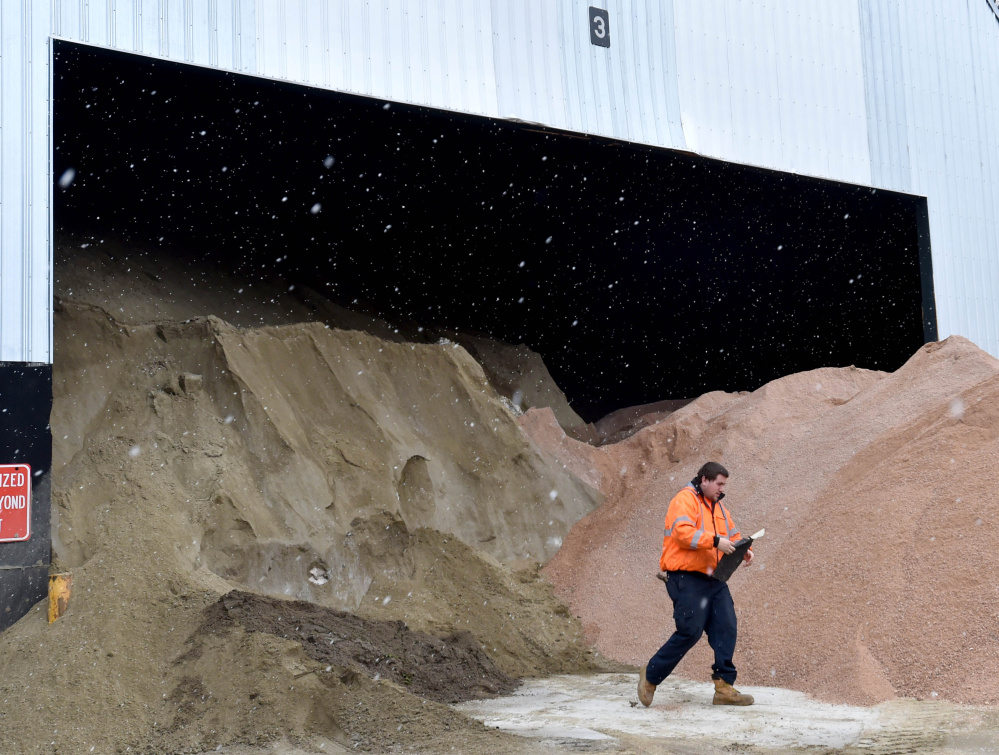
[725, 545]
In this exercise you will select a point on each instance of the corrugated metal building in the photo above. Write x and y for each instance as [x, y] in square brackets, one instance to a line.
[881, 93]
[873, 92]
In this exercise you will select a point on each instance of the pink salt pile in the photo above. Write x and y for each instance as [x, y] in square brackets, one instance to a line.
[880, 497]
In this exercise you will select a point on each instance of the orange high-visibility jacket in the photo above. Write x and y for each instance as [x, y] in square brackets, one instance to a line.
[691, 525]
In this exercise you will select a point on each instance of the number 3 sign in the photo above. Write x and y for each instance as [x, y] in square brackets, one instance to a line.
[599, 27]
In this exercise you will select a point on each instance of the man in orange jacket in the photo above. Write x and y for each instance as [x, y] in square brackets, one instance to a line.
[698, 531]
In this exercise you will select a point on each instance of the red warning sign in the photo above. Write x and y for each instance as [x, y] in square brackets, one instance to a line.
[15, 502]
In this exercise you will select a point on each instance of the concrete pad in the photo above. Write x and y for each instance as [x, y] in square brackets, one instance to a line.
[604, 706]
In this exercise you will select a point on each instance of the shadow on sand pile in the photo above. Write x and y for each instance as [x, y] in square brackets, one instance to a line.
[298, 461]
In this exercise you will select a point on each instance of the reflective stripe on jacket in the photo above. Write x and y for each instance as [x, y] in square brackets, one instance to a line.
[692, 522]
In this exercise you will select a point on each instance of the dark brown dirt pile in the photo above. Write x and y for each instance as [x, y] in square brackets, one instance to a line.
[624, 423]
[440, 585]
[449, 670]
[192, 457]
[877, 574]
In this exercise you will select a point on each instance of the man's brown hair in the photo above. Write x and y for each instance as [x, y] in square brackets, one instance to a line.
[711, 470]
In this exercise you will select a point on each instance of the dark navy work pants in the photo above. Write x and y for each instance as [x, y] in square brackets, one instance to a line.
[700, 604]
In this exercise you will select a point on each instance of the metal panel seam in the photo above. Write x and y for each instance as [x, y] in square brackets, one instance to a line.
[26, 162]
[677, 138]
[3, 99]
[325, 20]
[988, 263]
[137, 24]
[50, 209]
[237, 37]
[780, 109]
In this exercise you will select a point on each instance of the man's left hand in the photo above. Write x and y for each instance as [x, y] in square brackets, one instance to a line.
[748, 558]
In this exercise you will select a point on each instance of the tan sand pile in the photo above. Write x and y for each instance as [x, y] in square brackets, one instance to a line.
[282, 437]
[877, 491]
[193, 457]
[141, 286]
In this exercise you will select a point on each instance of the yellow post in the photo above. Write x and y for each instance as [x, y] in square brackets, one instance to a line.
[59, 588]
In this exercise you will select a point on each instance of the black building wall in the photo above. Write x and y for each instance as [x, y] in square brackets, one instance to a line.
[26, 438]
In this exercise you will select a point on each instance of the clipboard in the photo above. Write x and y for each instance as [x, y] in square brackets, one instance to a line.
[730, 561]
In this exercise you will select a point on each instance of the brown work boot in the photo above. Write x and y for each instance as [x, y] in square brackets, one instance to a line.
[726, 694]
[645, 689]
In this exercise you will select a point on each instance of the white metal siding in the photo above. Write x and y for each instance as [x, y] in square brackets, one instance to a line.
[884, 86]
[25, 251]
[950, 62]
[527, 61]
[630, 90]
[896, 95]
[775, 83]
